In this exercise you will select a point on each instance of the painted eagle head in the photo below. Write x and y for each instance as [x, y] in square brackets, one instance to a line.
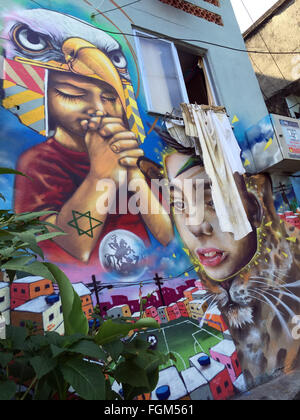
[53, 40]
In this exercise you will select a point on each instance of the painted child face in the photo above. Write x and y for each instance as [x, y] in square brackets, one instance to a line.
[219, 253]
[70, 97]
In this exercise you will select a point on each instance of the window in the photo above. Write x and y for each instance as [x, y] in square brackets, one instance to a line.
[23, 291]
[2, 299]
[161, 73]
[219, 390]
[229, 366]
[293, 103]
[51, 317]
[37, 289]
[47, 286]
[172, 74]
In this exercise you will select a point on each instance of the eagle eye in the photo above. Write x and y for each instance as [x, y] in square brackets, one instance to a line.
[29, 40]
[118, 59]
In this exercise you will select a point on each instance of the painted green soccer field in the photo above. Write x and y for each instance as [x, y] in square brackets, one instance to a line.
[184, 338]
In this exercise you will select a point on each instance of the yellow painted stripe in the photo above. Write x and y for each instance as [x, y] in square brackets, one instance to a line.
[33, 116]
[269, 144]
[21, 98]
[7, 84]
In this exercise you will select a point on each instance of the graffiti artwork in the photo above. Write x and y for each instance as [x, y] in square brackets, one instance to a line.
[75, 126]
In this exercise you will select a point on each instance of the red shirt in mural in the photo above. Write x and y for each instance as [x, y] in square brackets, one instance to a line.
[56, 174]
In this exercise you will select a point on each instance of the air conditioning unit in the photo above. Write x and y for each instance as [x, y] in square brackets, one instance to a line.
[275, 144]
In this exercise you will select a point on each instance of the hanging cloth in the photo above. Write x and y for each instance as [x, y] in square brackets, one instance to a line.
[177, 131]
[228, 141]
[220, 167]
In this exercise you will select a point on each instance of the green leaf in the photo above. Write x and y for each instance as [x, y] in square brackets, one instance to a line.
[30, 239]
[5, 358]
[136, 346]
[88, 349]
[150, 360]
[11, 274]
[48, 236]
[75, 320]
[70, 340]
[128, 372]
[42, 365]
[86, 378]
[114, 349]
[7, 390]
[147, 323]
[39, 341]
[56, 351]
[8, 252]
[110, 394]
[17, 264]
[43, 391]
[55, 339]
[112, 331]
[27, 217]
[131, 392]
[17, 335]
[36, 268]
[21, 370]
[9, 171]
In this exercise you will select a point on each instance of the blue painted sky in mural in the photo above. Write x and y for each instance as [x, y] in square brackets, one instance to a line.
[15, 140]
[260, 132]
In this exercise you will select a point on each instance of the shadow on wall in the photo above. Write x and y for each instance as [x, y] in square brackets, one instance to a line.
[275, 90]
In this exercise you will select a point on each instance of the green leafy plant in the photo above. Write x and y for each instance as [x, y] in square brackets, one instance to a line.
[50, 366]
[84, 362]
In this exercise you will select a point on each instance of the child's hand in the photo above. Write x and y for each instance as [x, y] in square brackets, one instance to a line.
[112, 148]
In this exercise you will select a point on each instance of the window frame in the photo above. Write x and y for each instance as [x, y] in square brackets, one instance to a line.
[147, 90]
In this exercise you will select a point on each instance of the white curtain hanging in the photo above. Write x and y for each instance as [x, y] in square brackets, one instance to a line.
[221, 157]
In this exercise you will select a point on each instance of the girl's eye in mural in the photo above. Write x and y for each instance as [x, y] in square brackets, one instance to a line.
[118, 59]
[29, 40]
[210, 203]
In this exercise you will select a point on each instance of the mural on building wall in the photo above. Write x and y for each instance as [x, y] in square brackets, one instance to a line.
[71, 119]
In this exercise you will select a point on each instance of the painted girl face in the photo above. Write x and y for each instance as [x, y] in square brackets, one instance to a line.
[70, 97]
[219, 253]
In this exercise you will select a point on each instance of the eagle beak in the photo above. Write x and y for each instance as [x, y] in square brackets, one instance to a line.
[85, 59]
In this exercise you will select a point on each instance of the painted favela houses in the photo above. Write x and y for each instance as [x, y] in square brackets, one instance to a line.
[97, 98]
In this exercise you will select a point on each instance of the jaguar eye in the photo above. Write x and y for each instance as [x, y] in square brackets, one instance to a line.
[30, 40]
[118, 59]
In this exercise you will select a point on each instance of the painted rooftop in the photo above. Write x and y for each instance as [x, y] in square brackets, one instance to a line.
[37, 305]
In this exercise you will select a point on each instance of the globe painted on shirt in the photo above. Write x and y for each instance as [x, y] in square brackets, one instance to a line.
[122, 255]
